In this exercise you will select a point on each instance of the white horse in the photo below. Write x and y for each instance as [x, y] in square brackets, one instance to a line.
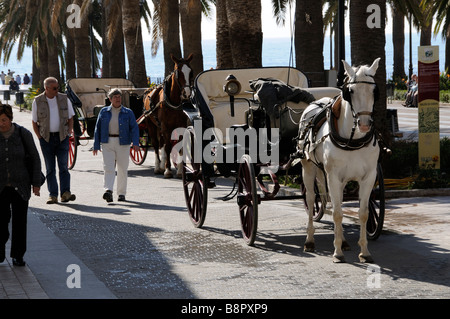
[343, 149]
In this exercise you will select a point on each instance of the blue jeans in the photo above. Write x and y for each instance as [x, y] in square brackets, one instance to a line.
[59, 150]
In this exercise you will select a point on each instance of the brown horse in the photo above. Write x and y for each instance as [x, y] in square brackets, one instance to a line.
[163, 112]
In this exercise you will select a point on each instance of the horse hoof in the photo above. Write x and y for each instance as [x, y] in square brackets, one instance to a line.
[158, 171]
[338, 259]
[365, 259]
[168, 175]
[345, 246]
[309, 247]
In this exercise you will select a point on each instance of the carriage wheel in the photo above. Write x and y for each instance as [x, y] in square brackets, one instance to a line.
[376, 207]
[248, 199]
[139, 157]
[72, 157]
[319, 203]
[194, 184]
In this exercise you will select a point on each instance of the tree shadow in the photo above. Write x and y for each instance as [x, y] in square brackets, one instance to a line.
[122, 255]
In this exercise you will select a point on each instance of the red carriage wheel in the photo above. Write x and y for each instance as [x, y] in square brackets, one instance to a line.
[194, 183]
[248, 199]
[72, 156]
[139, 157]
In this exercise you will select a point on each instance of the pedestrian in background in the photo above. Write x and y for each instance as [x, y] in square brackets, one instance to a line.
[17, 146]
[115, 130]
[26, 79]
[52, 118]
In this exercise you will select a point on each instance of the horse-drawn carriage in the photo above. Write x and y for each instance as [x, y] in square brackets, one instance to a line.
[88, 96]
[245, 125]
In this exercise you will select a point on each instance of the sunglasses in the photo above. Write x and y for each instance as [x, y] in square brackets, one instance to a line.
[54, 88]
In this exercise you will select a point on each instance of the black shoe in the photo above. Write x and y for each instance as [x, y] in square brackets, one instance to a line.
[121, 198]
[18, 262]
[108, 196]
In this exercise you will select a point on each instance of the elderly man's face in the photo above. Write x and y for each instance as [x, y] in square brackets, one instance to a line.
[116, 100]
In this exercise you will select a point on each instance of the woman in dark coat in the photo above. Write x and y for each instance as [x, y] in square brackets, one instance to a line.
[17, 148]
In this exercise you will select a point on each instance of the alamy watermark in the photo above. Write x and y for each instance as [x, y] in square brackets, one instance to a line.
[206, 147]
[74, 279]
[74, 18]
[374, 276]
[374, 19]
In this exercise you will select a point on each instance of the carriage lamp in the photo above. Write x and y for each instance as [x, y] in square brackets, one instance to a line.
[232, 87]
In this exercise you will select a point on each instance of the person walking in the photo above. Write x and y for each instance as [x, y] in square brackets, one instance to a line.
[115, 130]
[52, 118]
[17, 146]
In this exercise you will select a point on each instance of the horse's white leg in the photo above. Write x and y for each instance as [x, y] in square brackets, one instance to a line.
[308, 180]
[336, 193]
[158, 170]
[364, 193]
[179, 170]
[165, 163]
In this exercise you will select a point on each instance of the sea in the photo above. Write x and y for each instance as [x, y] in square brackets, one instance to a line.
[276, 52]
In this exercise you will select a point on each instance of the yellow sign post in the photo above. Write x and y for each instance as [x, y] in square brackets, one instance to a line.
[428, 107]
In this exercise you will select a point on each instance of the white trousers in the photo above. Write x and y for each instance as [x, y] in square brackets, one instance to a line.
[114, 155]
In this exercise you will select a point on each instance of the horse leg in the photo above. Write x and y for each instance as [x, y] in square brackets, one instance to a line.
[158, 170]
[336, 193]
[308, 179]
[180, 166]
[168, 168]
[364, 193]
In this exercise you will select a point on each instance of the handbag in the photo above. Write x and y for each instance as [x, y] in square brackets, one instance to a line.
[29, 162]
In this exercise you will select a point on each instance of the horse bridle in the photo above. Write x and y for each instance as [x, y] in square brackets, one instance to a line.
[188, 81]
[350, 144]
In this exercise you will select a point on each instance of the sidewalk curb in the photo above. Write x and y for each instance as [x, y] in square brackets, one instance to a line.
[388, 194]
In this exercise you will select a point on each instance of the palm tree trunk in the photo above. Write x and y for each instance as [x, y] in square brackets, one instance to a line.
[244, 21]
[398, 40]
[71, 70]
[43, 61]
[223, 47]
[367, 44]
[309, 40]
[171, 32]
[447, 51]
[82, 47]
[133, 40]
[191, 19]
[36, 70]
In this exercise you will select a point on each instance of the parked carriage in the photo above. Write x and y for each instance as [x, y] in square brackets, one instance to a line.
[246, 100]
[88, 96]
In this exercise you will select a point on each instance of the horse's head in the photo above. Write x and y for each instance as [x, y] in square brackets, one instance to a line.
[361, 92]
[183, 75]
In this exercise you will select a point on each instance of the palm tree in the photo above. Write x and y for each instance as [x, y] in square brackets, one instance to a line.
[367, 44]
[224, 56]
[398, 40]
[240, 31]
[191, 18]
[131, 16]
[169, 15]
[441, 10]
[309, 40]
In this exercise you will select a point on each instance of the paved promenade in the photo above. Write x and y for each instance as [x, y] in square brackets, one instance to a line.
[146, 248]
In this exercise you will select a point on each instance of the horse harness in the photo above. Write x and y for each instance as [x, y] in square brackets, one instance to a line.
[166, 88]
[330, 112]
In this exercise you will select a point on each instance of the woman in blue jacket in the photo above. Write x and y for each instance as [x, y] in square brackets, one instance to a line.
[115, 130]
